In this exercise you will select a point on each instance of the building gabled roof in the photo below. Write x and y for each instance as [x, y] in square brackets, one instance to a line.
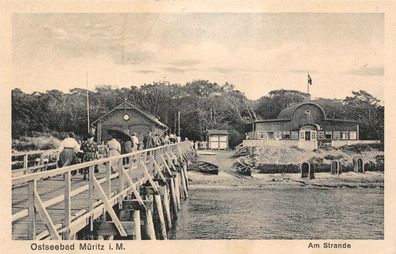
[128, 105]
[287, 114]
[217, 132]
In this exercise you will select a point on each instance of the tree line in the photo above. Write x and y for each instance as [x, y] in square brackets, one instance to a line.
[203, 105]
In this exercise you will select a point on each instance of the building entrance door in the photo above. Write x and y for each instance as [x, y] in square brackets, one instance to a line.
[308, 135]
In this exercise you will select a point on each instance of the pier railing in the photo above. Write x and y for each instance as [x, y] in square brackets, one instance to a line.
[130, 170]
[40, 160]
[32, 161]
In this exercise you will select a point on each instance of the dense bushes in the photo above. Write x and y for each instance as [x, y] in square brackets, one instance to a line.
[278, 168]
[359, 148]
[43, 142]
[203, 105]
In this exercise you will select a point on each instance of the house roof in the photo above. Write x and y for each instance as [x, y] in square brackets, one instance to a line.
[217, 132]
[287, 114]
[128, 105]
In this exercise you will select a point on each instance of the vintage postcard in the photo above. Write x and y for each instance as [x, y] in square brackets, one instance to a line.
[267, 127]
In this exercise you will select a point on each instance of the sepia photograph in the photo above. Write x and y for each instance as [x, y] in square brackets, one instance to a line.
[158, 123]
[198, 126]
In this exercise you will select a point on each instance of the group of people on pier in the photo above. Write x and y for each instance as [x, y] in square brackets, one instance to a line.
[73, 152]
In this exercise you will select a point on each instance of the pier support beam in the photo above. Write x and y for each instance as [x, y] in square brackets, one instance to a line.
[137, 208]
[173, 200]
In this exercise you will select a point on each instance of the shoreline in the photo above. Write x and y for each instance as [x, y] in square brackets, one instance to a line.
[225, 180]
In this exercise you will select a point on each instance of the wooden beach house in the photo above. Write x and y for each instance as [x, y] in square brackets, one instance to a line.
[124, 120]
[303, 125]
[217, 139]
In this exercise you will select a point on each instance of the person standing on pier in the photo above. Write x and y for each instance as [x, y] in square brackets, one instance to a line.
[148, 141]
[90, 149]
[166, 140]
[157, 140]
[114, 149]
[68, 147]
[127, 148]
[135, 142]
[172, 138]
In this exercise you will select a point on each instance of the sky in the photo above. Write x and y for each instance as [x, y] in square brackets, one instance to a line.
[255, 52]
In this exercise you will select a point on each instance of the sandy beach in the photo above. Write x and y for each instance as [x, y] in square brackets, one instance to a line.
[226, 178]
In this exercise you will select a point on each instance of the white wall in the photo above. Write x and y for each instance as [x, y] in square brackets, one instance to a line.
[302, 144]
[339, 143]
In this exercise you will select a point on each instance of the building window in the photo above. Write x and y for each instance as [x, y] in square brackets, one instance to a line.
[345, 135]
[294, 135]
[278, 135]
[262, 135]
[313, 135]
[321, 135]
[328, 135]
[336, 135]
[270, 135]
[307, 113]
[352, 135]
[286, 134]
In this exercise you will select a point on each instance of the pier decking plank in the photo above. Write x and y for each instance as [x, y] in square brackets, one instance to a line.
[85, 200]
[49, 189]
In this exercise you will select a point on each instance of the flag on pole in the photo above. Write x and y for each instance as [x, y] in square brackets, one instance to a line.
[309, 80]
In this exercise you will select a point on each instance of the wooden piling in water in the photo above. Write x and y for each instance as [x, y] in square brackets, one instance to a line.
[166, 206]
[173, 199]
[177, 191]
[149, 225]
[161, 219]
[183, 183]
[148, 212]
[137, 224]
[185, 174]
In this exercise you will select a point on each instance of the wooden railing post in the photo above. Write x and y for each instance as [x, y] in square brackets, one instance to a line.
[91, 195]
[121, 167]
[31, 210]
[108, 179]
[131, 158]
[66, 235]
[25, 161]
[57, 159]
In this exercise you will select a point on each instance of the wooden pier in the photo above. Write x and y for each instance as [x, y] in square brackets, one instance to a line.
[130, 196]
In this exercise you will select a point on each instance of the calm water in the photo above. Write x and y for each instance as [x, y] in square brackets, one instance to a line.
[279, 213]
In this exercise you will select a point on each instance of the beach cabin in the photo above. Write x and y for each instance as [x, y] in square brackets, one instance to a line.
[217, 139]
[124, 120]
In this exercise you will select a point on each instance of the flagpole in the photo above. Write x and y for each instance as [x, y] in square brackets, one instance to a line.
[178, 123]
[88, 124]
[307, 87]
